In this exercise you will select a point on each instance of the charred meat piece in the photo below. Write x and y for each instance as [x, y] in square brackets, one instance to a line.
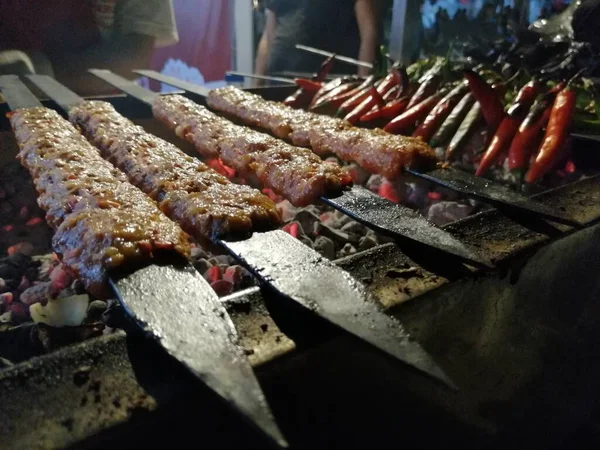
[201, 200]
[293, 172]
[102, 222]
[375, 150]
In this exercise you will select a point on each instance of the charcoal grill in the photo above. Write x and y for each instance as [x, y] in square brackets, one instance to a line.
[517, 341]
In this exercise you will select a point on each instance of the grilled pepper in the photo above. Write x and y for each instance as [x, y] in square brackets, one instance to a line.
[453, 121]
[389, 111]
[508, 126]
[432, 122]
[323, 98]
[522, 146]
[557, 131]
[467, 126]
[374, 99]
[489, 99]
[408, 119]
[301, 98]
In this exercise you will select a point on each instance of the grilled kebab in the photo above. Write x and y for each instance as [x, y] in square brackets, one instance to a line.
[375, 150]
[201, 200]
[101, 220]
[293, 172]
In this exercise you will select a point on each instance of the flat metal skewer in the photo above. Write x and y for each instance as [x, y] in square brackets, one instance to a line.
[248, 75]
[346, 59]
[274, 264]
[176, 306]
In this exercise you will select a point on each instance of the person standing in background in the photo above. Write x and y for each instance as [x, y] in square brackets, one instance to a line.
[65, 38]
[346, 27]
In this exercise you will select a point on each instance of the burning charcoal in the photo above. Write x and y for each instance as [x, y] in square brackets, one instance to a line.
[3, 286]
[60, 312]
[6, 299]
[19, 313]
[358, 174]
[374, 182]
[325, 247]
[60, 278]
[353, 227]
[341, 218]
[367, 242]
[24, 284]
[199, 253]
[306, 219]
[37, 293]
[338, 236]
[234, 275]
[202, 265]
[287, 210]
[95, 310]
[347, 250]
[442, 213]
[222, 287]
[213, 274]
[24, 248]
[221, 259]
[306, 241]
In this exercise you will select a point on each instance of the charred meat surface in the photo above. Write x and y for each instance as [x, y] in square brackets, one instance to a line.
[201, 200]
[293, 172]
[375, 150]
[102, 222]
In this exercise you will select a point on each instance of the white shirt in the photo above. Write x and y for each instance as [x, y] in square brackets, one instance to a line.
[154, 18]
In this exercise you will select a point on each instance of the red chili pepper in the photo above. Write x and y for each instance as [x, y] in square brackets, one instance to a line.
[411, 116]
[342, 98]
[523, 144]
[403, 80]
[379, 100]
[374, 98]
[353, 102]
[309, 85]
[392, 109]
[557, 131]
[425, 90]
[325, 68]
[434, 119]
[489, 99]
[508, 127]
[392, 94]
[301, 98]
[325, 100]
[528, 93]
[392, 79]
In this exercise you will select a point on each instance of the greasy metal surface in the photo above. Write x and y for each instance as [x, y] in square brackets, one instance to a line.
[493, 193]
[125, 85]
[16, 94]
[306, 277]
[175, 82]
[520, 344]
[64, 97]
[400, 222]
[502, 238]
[177, 307]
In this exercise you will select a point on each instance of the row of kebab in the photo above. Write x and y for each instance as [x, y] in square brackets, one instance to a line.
[94, 211]
[102, 222]
[521, 122]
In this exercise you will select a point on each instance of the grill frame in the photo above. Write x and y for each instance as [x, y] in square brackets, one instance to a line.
[114, 362]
